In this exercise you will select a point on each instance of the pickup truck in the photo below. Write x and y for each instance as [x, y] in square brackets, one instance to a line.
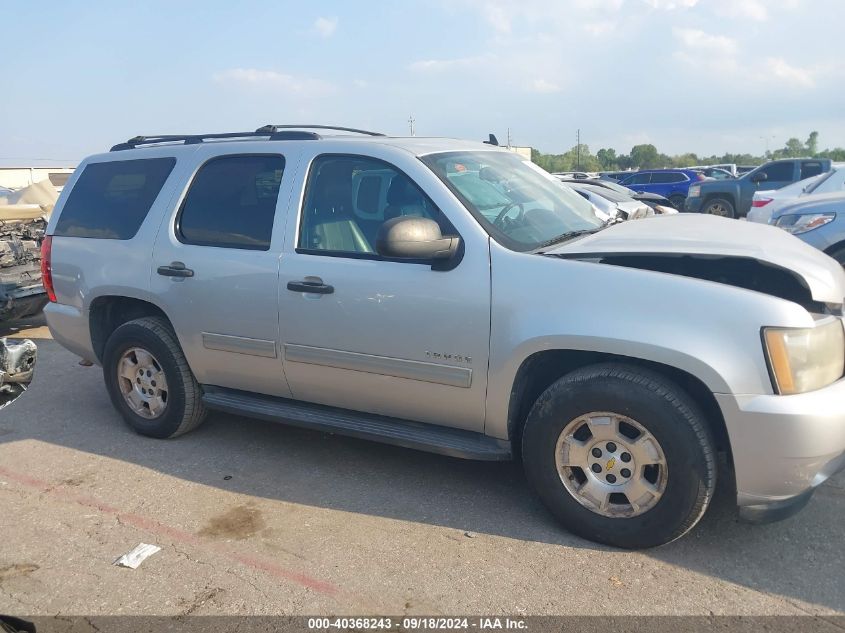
[731, 198]
[453, 297]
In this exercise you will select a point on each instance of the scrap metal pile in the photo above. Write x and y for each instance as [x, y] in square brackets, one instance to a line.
[23, 220]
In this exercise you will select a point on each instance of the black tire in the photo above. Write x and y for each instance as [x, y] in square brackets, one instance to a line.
[721, 207]
[184, 409]
[678, 202]
[667, 413]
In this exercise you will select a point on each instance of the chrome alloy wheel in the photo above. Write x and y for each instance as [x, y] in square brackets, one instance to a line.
[611, 464]
[142, 383]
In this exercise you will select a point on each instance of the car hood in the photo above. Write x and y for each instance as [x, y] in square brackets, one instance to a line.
[718, 249]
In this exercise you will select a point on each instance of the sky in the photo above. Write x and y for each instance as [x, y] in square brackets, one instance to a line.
[706, 76]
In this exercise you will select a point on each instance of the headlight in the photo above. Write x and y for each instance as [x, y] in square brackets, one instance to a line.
[694, 191]
[796, 224]
[804, 359]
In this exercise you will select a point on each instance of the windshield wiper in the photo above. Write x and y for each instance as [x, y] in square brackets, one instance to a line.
[565, 237]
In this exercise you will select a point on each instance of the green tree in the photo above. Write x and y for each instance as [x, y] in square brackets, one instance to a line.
[813, 143]
[645, 156]
[607, 158]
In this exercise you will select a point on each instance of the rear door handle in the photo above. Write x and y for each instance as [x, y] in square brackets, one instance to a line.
[315, 287]
[175, 269]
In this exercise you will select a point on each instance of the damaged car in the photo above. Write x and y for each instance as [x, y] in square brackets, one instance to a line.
[23, 220]
[17, 366]
[452, 297]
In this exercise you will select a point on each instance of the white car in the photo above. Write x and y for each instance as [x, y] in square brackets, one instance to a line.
[766, 203]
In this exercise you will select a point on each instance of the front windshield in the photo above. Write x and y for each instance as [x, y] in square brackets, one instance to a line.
[516, 202]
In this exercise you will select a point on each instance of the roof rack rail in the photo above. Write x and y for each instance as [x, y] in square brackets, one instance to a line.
[270, 129]
[272, 132]
[186, 139]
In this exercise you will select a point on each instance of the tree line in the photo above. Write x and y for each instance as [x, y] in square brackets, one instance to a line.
[646, 156]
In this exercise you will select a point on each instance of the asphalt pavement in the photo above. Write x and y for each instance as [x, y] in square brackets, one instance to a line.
[254, 517]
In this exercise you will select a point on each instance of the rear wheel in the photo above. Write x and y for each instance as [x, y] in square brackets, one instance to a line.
[720, 207]
[678, 202]
[620, 455]
[149, 381]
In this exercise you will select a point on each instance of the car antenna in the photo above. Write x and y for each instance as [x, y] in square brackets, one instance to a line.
[492, 140]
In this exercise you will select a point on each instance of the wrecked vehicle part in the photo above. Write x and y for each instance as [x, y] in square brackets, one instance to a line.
[21, 291]
[741, 272]
[17, 367]
[17, 360]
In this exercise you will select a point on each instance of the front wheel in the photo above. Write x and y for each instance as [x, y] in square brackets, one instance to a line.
[721, 207]
[620, 455]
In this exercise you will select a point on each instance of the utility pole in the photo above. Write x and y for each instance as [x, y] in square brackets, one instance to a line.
[411, 121]
[578, 149]
[509, 138]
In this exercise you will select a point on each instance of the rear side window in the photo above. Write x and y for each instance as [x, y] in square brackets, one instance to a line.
[232, 202]
[110, 200]
[667, 177]
[638, 179]
[810, 169]
[779, 172]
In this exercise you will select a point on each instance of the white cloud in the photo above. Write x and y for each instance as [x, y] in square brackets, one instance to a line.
[784, 71]
[671, 5]
[696, 39]
[543, 86]
[271, 79]
[597, 29]
[448, 65]
[743, 9]
[325, 27]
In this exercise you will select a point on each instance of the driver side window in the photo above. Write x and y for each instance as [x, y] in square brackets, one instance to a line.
[348, 198]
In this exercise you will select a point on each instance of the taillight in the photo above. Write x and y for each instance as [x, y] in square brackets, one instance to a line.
[47, 267]
[700, 177]
[762, 202]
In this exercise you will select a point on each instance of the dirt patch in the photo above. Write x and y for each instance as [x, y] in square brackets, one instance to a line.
[239, 522]
[20, 569]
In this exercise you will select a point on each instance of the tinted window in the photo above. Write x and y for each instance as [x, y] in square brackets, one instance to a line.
[810, 169]
[638, 179]
[232, 202]
[110, 200]
[348, 198]
[778, 172]
[663, 177]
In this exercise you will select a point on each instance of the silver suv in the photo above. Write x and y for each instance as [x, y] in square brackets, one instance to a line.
[450, 296]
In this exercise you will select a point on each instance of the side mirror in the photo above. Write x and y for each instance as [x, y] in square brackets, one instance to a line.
[760, 176]
[411, 237]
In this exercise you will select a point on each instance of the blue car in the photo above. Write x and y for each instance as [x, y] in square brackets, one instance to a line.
[669, 183]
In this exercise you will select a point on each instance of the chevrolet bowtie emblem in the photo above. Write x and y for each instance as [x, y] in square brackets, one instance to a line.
[610, 464]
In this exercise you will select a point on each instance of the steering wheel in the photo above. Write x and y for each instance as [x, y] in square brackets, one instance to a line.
[499, 218]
